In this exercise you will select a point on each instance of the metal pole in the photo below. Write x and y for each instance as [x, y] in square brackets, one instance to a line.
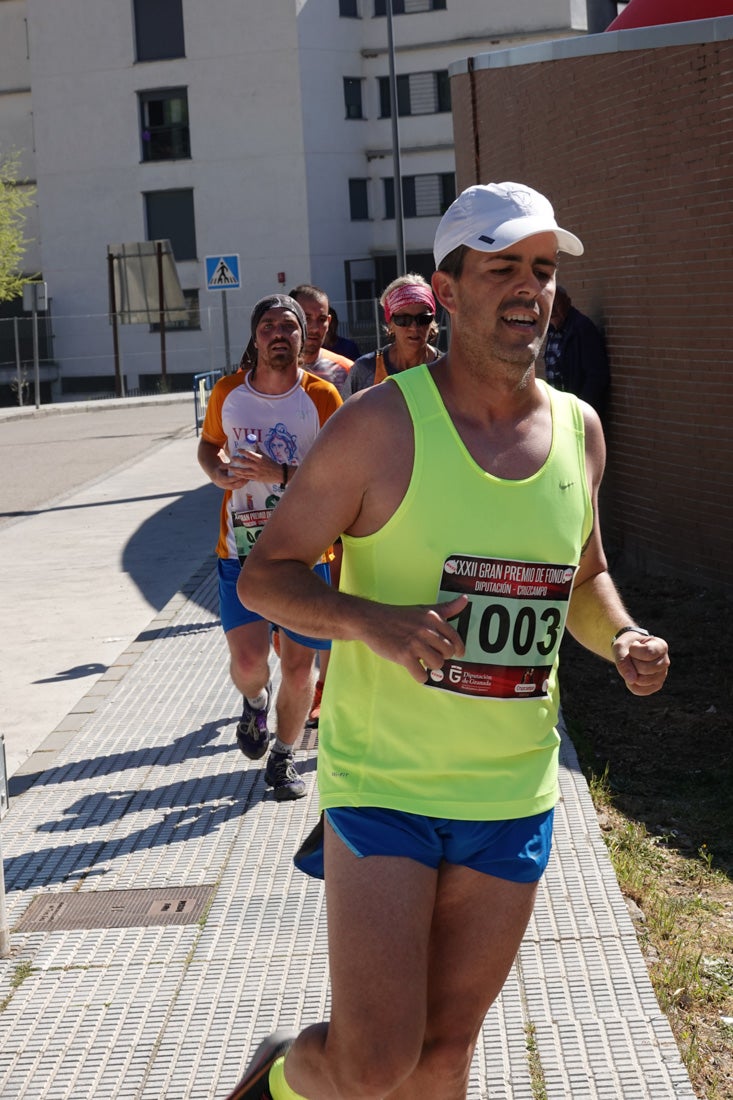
[36, 367]
[225, 319]
[4, 926]
[399, 218]
[119, 382]
[377, 321]
[4, 800]
[18, 368]
[161, 311]
[212, 350]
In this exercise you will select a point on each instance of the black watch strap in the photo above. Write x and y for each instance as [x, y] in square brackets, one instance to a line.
[626, 629]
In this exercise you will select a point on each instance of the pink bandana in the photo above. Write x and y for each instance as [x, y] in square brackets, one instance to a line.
[409, 294]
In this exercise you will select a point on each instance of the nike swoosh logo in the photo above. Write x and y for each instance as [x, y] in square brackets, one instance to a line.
[566, 484]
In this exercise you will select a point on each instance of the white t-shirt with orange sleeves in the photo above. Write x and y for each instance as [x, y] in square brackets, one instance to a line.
[282, 426]
[334, 368]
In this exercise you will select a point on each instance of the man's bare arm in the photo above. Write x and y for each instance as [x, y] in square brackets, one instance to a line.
[337, 490]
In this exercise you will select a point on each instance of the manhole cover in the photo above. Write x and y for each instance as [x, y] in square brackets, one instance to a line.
[116, 908]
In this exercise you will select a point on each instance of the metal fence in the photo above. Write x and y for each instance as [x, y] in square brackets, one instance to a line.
[77, 357]
[203, 384]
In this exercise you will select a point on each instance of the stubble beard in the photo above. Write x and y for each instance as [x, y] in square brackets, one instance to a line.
[487, 357]
[279, 361]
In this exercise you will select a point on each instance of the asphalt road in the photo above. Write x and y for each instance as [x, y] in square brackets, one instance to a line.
[47, 455]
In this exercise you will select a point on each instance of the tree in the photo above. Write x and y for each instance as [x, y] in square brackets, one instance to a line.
[15, 198]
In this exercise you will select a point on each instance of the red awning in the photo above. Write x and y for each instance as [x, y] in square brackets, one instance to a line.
[652, 13]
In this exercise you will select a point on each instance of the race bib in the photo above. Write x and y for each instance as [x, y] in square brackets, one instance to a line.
[511, 626]
[247, 526]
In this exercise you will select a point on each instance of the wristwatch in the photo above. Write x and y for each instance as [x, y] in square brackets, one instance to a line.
[626, 629]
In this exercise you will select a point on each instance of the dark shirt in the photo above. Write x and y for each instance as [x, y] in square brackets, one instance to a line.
[361, 375]
[576, 360]
[343, 346]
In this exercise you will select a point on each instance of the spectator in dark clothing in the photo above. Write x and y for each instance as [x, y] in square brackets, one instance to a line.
[342, 345]
[575, 354]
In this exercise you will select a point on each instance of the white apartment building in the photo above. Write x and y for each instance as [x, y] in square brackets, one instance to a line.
[253, 128]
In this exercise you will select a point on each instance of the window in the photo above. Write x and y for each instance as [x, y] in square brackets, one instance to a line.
[442, 89]
[190, 319]
[407, 7]
[359, 200]
[164, 124]
[349, 8]
[158, 29]
[352, 97]
[169, 214]
[417, 94]
[403, 97]
[363, 291]
[423, 196]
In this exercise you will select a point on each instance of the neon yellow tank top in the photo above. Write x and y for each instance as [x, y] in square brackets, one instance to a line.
[479, 741]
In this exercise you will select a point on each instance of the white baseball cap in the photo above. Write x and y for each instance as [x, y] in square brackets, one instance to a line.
[491, 217]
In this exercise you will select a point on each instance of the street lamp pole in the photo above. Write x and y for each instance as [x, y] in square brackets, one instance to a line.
[399, 217]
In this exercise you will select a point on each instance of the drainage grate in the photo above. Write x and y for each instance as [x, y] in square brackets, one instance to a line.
[116, 908]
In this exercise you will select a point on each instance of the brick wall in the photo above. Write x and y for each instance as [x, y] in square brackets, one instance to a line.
[635, 150]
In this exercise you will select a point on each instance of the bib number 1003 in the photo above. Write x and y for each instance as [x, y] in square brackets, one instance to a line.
[524, 633]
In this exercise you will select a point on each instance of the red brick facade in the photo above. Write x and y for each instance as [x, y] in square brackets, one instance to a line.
[635, 150]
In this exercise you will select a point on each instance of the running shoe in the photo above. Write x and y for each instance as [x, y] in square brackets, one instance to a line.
[280, 774]
[253, 1085]
[253, 736]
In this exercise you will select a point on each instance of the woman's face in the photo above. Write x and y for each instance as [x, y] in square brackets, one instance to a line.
[412, 336]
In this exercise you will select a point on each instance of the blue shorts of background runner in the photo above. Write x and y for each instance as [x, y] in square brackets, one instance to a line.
[233, 613]
[517, 850]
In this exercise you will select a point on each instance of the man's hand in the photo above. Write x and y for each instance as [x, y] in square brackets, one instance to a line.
[642, 662]
[252, 466]
[419, 638]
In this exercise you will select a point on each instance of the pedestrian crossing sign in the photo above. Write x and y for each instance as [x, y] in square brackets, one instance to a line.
[222, 272]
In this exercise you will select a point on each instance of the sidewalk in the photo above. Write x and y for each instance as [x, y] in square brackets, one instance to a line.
[165, 988]
[157, 927]
[105, 513]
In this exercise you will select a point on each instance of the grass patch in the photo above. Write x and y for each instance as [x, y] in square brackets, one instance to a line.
[660, 772]
[22, 971]
[537, 1076]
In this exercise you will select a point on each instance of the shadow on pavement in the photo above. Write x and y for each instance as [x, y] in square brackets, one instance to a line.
[194, 807]
[166, 549]
[75, 673]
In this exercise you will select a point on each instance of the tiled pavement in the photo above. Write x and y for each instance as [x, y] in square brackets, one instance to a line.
[145, 789]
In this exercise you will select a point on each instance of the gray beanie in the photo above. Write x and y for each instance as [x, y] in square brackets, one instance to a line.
[278, 301]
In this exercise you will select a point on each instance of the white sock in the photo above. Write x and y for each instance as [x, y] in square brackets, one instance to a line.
[280, 746]
[259, 702]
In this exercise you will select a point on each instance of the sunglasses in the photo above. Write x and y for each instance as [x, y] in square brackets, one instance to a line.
[405, 320]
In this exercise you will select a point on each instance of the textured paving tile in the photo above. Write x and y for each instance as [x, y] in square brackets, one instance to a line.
[152, 791]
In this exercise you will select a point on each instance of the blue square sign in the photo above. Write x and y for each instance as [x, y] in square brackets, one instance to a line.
[222, 272]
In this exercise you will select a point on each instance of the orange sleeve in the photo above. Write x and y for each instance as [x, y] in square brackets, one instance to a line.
[212, 429]
[323, 394]
[334, 356]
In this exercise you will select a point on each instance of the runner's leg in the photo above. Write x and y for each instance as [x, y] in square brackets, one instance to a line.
[379, 918]
[296, 688]
[478, 925]
[249, 646]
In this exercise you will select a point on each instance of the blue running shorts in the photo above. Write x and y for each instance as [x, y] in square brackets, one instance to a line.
[233, 613]
[517, 850]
